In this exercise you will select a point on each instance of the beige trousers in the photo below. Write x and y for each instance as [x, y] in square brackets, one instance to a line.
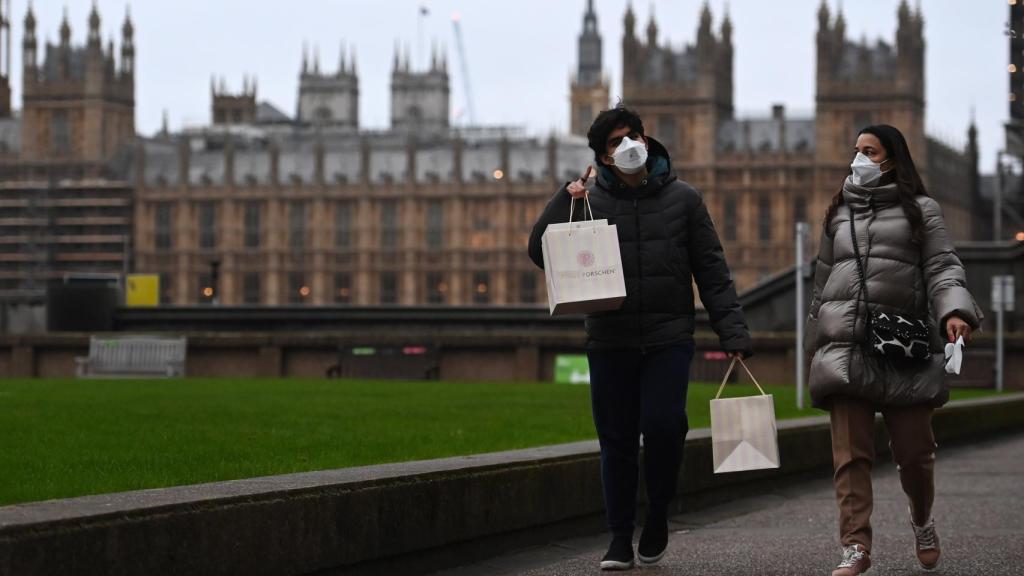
[853, 455]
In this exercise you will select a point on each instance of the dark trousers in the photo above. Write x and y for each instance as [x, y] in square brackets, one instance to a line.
[636, 393]
[853, 454]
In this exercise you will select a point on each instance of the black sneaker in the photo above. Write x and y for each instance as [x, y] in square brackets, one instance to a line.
[654, 540]
[619, 555]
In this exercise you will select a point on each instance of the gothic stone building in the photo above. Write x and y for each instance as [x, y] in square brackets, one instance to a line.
[263, 207]
[761, 175]
[65, 195]
[316, 211]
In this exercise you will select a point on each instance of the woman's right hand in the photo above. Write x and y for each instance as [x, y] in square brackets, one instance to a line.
[578, 188]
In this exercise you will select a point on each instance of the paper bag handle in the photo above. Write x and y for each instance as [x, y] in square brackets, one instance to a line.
[586, 208]
[729, 371]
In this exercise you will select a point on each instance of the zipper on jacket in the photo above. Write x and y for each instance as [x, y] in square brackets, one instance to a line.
[639, 277]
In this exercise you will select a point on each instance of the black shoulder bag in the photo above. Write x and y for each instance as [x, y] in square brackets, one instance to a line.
[894, 336]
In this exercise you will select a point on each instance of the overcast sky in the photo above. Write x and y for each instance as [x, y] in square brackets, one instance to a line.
[520, 53]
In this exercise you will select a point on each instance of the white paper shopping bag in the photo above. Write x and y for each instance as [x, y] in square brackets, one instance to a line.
[583, 267]
[743, 432]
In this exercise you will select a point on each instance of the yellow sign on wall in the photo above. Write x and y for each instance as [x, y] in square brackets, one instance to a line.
[143, 290]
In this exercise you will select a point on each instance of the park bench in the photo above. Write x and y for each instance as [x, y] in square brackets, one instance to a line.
[133, 357]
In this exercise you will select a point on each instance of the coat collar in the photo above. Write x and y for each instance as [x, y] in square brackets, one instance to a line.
[861, 198]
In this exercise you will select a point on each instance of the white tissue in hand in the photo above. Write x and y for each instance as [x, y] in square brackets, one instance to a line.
[954, 356]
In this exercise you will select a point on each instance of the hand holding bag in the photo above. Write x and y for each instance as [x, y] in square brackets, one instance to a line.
[582, 265]
[743, 432]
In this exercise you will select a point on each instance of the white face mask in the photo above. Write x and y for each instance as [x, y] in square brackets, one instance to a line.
[865, 172]
[630, 156]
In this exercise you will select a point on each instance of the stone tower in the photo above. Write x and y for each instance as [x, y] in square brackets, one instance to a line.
[589, 90]
[79, 104]
[420, 100]
[329, 99]
[233, 108]
[682, 95]
[859, 84]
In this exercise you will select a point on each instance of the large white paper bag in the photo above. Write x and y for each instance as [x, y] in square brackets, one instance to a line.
[743, 432]
[583, 267]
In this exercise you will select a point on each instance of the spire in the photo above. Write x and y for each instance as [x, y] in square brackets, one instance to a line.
[352, 62]
[727, 25]
[397, 64]
[164, 130]
[408, 59]
[316, 59]
[109, 59]
[341, 60]
[590, 19]
[840, 24]
[28, 42]
[94, 25]
[127, 29]
[903, 14]
[305, 58]
[65, 29]
[705, 17]
[629, 20]
[127, 44]
[30, 21]
[823, 16]
[652, 30]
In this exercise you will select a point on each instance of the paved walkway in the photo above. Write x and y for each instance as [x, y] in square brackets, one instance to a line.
[979, 514]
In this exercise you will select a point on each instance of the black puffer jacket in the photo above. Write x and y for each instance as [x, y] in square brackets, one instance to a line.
[667, 240]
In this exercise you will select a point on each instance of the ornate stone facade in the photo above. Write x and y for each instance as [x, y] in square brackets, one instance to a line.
[65, 200]
[262, 208]
[762, 175]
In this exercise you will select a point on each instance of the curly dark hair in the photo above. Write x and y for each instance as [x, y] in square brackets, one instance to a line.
[908, 181]
[606, 123]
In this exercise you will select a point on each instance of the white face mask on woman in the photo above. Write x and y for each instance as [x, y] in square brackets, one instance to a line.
[865, 172]
[630, 156]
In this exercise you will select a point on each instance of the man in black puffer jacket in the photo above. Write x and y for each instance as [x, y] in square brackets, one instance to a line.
[640, 354]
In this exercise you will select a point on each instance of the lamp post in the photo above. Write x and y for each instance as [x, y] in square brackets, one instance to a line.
[801, 241]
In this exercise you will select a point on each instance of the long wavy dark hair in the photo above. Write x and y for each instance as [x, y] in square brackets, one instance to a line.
[908, 181]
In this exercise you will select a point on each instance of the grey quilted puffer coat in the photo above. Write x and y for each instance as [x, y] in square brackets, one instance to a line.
[924, 280]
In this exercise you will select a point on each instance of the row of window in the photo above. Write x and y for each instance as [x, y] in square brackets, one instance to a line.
[389, 226]
[435, 286]
[765, 222]
[298, 215]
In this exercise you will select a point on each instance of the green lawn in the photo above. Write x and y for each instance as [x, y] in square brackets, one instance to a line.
[62, 438]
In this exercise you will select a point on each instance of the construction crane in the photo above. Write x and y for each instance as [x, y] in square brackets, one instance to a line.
[465, 69]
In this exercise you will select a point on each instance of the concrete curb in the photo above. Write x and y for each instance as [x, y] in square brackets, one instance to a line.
[358, 520]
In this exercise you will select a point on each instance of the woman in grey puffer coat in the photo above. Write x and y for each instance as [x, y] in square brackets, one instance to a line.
[910, 268]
